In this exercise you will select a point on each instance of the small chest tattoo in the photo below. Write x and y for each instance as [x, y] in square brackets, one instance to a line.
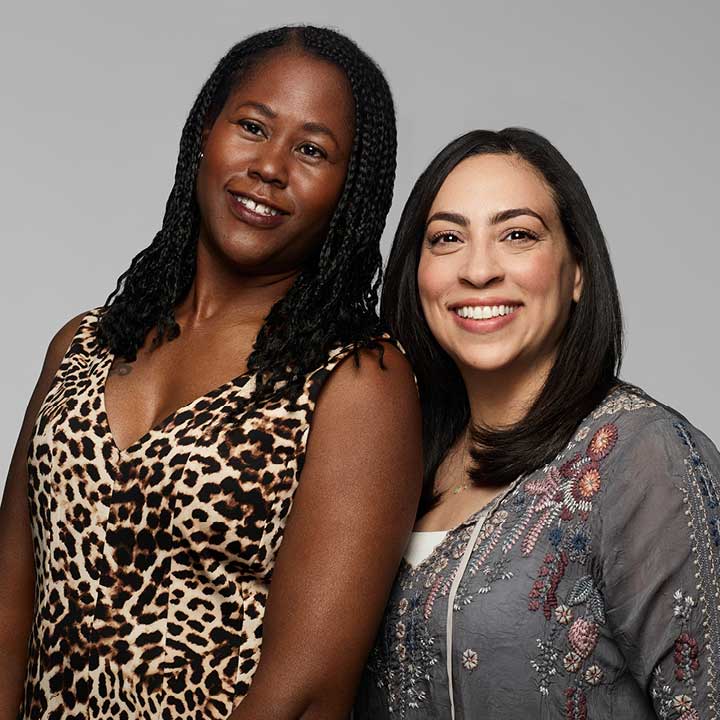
[120, 367]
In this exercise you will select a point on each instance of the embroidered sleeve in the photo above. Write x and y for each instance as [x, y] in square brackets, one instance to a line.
[661, 566]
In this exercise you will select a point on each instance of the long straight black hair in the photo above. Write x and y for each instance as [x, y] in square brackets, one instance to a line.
[334, 299]
[590, 348]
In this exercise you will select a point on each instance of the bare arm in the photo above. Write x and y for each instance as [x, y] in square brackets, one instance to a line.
[351, 517]
[16, 552]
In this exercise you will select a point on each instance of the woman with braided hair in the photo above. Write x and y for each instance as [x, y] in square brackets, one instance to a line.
[167, 449]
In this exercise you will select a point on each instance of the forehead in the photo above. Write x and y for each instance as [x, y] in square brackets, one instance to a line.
[489, 183]
[296, 83]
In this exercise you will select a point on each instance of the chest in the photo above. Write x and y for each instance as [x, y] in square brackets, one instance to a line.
[511, 604]
[140, 394]
[216, 476]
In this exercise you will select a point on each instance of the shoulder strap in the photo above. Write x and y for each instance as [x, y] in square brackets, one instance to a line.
[336, 356]
[85, 338]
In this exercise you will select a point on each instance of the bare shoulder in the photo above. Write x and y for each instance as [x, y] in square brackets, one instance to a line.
[373, 378]
[368, 416]
[57, 348]
[60, 342]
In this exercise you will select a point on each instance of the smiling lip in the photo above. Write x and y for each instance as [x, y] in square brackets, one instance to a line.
[256, 219]
[485, 325]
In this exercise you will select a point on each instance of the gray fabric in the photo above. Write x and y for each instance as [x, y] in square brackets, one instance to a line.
[592, 590]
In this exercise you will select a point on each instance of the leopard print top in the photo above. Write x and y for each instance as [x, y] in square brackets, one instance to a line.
[153, 563]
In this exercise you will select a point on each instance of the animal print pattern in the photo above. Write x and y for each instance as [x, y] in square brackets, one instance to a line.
[153, 563]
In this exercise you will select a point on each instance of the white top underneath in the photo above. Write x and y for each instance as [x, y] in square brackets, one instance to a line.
[421, 544]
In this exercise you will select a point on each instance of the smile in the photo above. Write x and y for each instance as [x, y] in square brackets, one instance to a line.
[484, 312]
[257, 207]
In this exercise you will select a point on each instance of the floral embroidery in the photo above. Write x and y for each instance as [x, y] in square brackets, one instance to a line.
[544, 588]
[594, 675]
[583, 637]
[563, 614]
[671, 704]
[582, 433]
[550, 510]
[545, 664]
[572, 662]
[587, 484]
[575, 704]
[584, 591]
[701, 496]
[603, 442]
[469, 659]
[629, 399]
[690, 715]
[682, 703]
[487, 541]
[685, 656]
[403, 656]
[566, 498]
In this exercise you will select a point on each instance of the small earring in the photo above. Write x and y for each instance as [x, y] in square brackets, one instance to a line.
[201, 155]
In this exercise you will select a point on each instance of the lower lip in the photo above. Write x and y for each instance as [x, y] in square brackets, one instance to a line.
[482, 327]
[252, 218]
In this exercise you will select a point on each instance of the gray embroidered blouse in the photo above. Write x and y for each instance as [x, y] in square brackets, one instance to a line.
[590, 589]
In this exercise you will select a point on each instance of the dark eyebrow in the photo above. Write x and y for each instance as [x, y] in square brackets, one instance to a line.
[455, 218]
[315, 127]
[504, 215]
[260, 107]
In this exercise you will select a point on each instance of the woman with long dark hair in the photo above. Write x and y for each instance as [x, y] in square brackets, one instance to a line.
[235, 392]
[565, 561]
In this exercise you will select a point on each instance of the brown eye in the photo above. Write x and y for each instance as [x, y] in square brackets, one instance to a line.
[252, 127]
[444, 237]
[312, 151]
[520, 237]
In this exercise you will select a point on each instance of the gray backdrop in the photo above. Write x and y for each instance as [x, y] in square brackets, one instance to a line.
[94, 96]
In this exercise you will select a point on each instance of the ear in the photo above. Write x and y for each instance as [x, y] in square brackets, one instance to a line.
[203, 138]
[578, 284]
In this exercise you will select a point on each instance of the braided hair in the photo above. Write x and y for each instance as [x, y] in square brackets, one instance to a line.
[334, 298]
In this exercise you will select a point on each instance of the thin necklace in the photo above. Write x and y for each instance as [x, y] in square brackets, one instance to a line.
[464, 483]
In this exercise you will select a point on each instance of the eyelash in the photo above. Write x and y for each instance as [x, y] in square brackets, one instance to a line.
[529, 235]
[256, 129]
[248, 124]
[320, 152]
[435, 239]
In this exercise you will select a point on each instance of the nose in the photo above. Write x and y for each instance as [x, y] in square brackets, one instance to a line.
[481, 266]
[268, 165]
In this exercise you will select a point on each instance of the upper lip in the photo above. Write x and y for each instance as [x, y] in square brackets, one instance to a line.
[475, 302]
[259, 199]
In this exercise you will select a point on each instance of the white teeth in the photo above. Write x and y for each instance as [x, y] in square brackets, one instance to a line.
[484, 312]
[256, 207]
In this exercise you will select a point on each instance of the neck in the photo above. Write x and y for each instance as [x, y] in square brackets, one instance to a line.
[220, 291]
[502, 398]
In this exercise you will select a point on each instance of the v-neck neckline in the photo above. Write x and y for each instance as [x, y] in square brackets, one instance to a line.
[240, 380]
[483, 514]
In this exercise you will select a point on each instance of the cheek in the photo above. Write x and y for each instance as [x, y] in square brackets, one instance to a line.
[434, 282]
[542, 276]
[321, 193]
